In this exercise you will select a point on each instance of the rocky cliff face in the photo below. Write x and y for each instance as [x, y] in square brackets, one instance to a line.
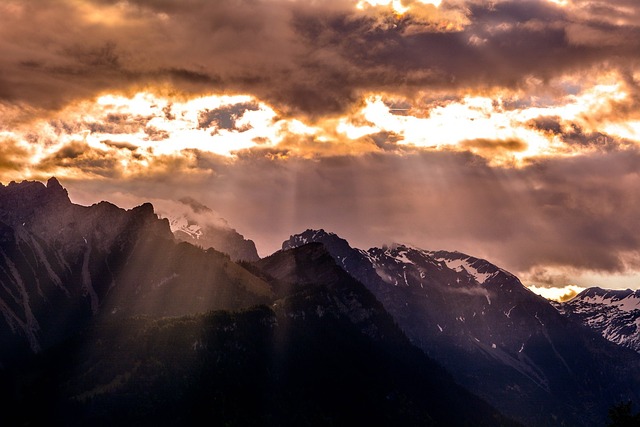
[61, 263]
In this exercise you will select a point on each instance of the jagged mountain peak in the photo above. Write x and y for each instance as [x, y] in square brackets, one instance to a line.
[29, 196]
[477, 269]
[597, 294]
[54, 184]
[344, 255]
[325, 349]
[145, 208]
[47, 212]
[308, 263]
[313, 235]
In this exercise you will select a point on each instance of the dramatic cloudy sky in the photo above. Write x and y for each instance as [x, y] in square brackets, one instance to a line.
[508, 129]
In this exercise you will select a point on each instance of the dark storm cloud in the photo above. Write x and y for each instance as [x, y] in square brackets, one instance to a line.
[125, 145]
[386, 140]
[550, 124]
[13, 156]
[574, 135]
[118, 124]
[317, 59]
[78, 156]
[155, 134]
[309, 57]
[225, 117]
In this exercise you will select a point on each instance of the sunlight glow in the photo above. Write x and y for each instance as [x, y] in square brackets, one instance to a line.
[396, 5]
[628, 130]
[109, 15]
[501, 133]
[505, 128]
[559, 2]
[473, 118]
[183, 125]
[557, 294]
[352, 131]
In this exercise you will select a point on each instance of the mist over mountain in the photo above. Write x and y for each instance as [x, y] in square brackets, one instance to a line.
[195, 223]
[496, 337]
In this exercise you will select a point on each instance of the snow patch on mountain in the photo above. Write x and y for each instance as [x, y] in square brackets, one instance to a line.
[450, 303]
[627, 303]
[309, 236]
[189, 216]
[462, 265]
[181, 223]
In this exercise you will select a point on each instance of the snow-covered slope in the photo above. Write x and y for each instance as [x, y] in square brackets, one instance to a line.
[615, 314]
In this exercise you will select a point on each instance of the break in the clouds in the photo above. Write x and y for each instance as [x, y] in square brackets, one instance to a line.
[508, 129]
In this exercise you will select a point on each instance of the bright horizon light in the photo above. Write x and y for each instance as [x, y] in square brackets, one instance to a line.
[397, 5]
[557, 294]
[489, 126]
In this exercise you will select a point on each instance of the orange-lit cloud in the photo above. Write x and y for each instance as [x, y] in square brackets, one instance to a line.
[116, 135]
[557, 294]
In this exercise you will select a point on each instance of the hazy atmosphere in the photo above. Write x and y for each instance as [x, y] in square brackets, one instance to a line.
[509, 130]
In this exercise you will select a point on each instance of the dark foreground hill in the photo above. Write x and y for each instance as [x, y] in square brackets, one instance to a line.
[325, 353]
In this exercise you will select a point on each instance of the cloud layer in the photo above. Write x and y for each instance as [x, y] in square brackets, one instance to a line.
[304, 57]
[508, 129]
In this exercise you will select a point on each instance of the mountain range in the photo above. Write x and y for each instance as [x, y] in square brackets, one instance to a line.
[615, 314]
[500, 340]
[110, 317]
